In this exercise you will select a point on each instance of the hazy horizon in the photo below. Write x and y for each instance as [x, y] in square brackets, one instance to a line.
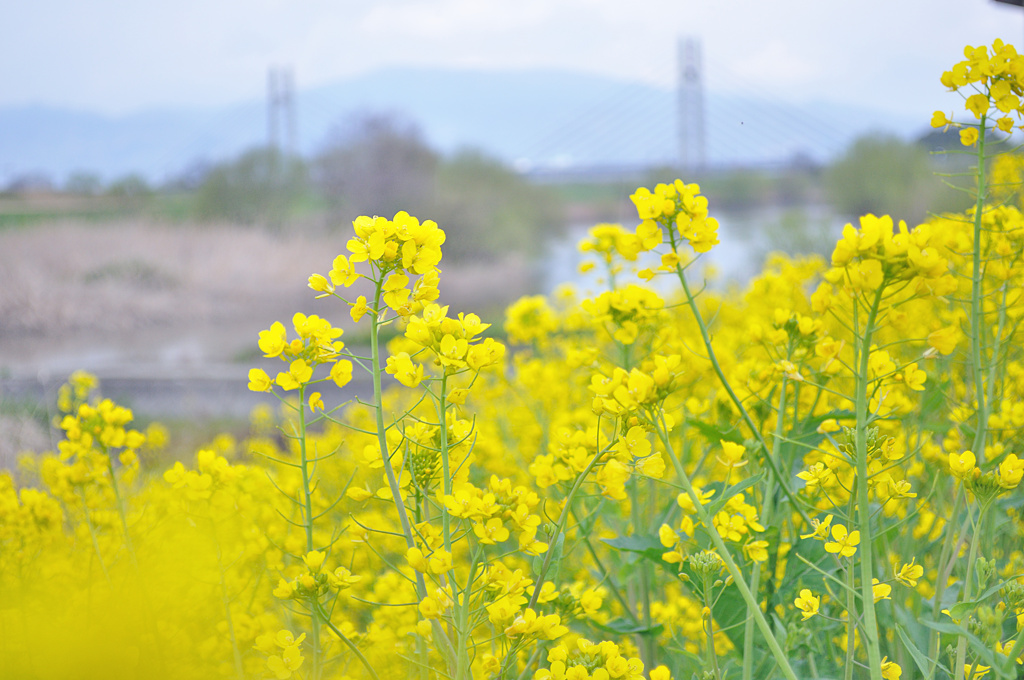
[116, 58]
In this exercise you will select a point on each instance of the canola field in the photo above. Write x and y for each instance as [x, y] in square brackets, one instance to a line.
[815, 477]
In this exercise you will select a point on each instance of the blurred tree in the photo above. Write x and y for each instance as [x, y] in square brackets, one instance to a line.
[488, 210]
[191, 177]
[261, 186]
[739, 188]
[882, 174]
[129, 187]
[376, 164]
[30, 183]
[83, 183]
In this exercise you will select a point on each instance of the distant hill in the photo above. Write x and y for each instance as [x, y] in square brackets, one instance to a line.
[534, 118]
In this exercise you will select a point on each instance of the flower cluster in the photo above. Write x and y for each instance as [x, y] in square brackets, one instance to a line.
[316, 343]
[787, 480]
[675, 212]
[997, 80]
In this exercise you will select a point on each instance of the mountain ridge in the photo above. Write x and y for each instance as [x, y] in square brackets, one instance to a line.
[531, 118]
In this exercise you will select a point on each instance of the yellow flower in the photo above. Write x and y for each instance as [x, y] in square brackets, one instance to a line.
[807, 603]
[1010, 471]
[817, 475]
[977, 104]
[259, 381]
[284, 590]
[969, 136]
[321, 284]
[756, 550]
[1006, 648]
[273, 340]
[913, 377]
[395, 291]
[844, 543]
[405, 371]
[661, 673]
[343, 274]
[359, 308]
[491, 532]
[944, 340]
[890, 669]
[289, 661]
[667, 536]
[314, 559]
[939, 119]
[961, 465]
[299, 373]
[341, 372]
[908, 574]
[591, 601]
[821, 528]
[416, 559]
[880, 590]
[732, 454]
[341, 578]
[440, 561]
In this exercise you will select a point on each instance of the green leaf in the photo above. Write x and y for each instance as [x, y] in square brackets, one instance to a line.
[729, 609]
[730, 613]
[923, 663]
[961, 609]
[814, 552]
[713, 433]
[958, 611]
[628, 627]
[985, 655]
[537, 563]
[645, 545]
[715, 507]
[809, 427]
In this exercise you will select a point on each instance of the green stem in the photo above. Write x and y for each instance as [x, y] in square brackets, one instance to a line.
[93, 536]
[647, 648]
[723, 553]
[226, 601]
[378, 407]
[767, 511]
[445, 463]
[560, 527]
[121, 512]
[440, 637]
[866, 551]
[606, 577]
[463, 629]
[709, 630]
[716, 366]
[961, 645]
[143, 596]
[348, 643]
[978, 337]
[307, 506]
[946, 556]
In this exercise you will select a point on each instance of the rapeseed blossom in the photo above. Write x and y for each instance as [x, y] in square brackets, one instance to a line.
[637, 489]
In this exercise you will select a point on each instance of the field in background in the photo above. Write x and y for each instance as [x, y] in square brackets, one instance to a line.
[168, 315]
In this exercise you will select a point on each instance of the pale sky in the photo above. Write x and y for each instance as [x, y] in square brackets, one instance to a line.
[121, 56]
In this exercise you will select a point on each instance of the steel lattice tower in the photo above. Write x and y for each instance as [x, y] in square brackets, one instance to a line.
[692, 147]
[281, 109]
